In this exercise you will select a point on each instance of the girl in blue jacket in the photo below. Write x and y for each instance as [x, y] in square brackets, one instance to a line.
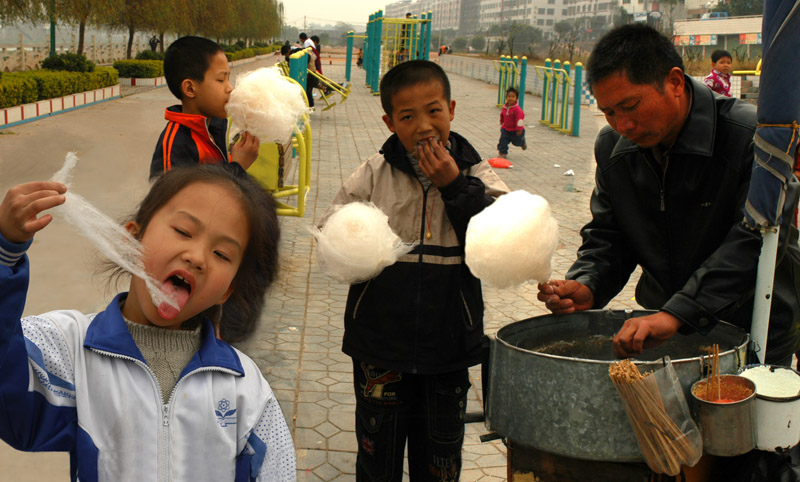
[144, 392]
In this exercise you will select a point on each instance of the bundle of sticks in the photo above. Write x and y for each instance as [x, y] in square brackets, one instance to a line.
[664, 446]
[714, 377]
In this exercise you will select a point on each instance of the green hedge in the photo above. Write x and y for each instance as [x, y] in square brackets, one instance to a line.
[251, 52]
[25, 87]
[141, 69]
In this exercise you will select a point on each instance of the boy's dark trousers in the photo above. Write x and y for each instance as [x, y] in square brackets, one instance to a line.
[428, 410]
[311, 82]
[512, 137]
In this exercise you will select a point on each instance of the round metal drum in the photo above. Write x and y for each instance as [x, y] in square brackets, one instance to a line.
[549, 386]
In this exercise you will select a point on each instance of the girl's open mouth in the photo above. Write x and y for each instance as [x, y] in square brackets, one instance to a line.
[179, 288]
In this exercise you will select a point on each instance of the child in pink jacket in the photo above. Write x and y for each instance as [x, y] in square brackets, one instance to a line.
[512, 125]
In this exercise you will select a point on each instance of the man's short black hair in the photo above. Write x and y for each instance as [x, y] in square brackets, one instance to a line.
[314, 38]
[408, 74]
[303, 36]
[718, 54]
[188, 58]
[645, 55]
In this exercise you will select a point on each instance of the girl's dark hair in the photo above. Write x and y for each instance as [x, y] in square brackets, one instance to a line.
[512, 89]
[644, 54]
[237, 317]
[718, 54]
[188, 58]
[409, 74]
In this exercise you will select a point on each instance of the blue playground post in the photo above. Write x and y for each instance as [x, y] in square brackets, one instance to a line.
[576, 106]
[565, 99]
[546, 88]
[523, 77]
[349, 56]
[368, 50]
[554, 91]
[376, 51]
[298, 67]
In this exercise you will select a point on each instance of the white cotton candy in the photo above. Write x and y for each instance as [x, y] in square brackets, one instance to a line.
[357, 243]
[512, 241]
[266, 104]
[111, 239]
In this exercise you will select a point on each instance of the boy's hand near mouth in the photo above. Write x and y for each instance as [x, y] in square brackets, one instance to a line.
[436, 163]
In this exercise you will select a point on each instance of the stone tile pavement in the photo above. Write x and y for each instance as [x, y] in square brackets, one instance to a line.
[298, 346]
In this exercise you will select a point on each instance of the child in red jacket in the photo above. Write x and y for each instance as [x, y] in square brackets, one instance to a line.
[512, 125]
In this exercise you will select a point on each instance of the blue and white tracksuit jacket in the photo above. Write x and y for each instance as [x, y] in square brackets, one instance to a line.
[78, 383]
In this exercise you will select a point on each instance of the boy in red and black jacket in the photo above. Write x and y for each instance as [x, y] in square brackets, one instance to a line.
[197, 73]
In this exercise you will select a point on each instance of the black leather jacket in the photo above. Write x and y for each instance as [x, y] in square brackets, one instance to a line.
[682, 223]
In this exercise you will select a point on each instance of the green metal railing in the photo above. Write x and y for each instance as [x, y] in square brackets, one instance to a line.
[390, 41]
[511, 73]
[556, 103]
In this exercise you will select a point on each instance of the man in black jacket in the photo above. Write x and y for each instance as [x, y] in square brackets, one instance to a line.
[673, 171]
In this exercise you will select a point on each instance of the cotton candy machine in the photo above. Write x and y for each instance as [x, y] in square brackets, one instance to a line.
[549, 386]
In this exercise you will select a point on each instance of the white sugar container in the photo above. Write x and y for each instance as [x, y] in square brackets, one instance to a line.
[777, 406]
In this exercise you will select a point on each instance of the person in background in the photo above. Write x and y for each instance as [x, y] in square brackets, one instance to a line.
[198, 74]
[512, 124]
[719, 80]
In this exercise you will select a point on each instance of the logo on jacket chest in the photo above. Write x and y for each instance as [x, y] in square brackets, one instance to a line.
[225, 415]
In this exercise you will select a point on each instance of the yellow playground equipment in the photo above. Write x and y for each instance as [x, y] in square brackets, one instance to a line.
[274, 162]
[327, 87]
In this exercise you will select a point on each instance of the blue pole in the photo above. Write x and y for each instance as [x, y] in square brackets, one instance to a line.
[378, 32]
[576, 112]
[565, 98]
[545, 91]
[523, 77]
[368, 50]
[554, 92]
[349, 57]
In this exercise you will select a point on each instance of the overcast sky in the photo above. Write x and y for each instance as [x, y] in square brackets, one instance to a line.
[355, 12]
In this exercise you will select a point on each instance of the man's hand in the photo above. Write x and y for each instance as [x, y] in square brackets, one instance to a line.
[245, 151]
[436, 163]
[565, 296]
[644, 332]
[519, 133]
[22, 205]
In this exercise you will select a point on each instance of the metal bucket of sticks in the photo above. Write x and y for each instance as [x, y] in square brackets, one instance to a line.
[724, 408]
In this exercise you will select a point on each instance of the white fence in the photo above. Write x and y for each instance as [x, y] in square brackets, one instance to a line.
[20, 56]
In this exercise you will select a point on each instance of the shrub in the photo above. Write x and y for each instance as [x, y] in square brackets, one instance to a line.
[145, 69]
[68, 62]
[26, 87]
[149, 55]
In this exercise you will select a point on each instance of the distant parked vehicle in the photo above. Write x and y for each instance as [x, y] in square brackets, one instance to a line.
[714, 15]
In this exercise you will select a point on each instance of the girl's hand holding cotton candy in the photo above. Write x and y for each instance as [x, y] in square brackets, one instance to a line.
[357, 243]
[21, 206]
[512, 241]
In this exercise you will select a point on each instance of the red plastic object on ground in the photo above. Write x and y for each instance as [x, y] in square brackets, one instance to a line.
[500, 163]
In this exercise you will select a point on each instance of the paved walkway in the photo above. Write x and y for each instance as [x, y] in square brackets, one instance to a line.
[298, 343]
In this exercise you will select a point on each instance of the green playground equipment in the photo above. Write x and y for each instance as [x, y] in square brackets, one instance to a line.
[297, 70]
[390, 41]
[511, 73]
[556, 103]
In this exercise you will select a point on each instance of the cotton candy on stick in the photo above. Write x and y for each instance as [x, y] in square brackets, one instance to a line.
[512, 241]
[357, 242]
[111, 239]
[266, 104]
